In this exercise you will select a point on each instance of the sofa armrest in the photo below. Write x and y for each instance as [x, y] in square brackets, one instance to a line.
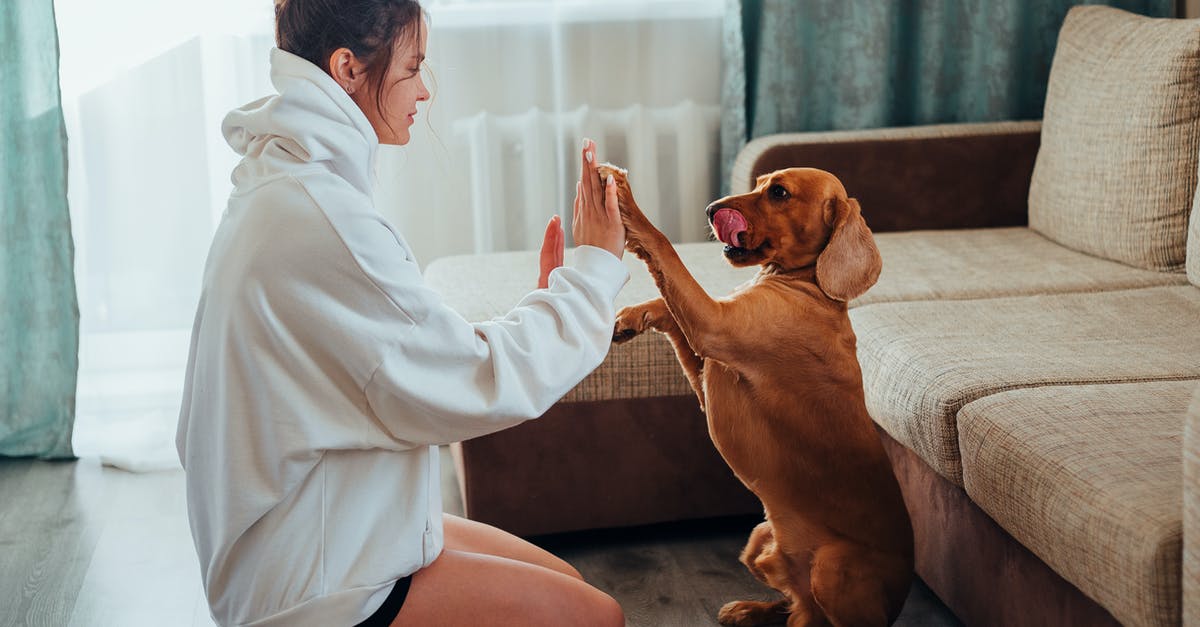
[922, 177]
[1191, 513]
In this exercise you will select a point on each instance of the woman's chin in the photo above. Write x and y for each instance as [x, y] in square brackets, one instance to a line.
[399, 139]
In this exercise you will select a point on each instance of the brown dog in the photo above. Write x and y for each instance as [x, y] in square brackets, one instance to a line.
[775, 368]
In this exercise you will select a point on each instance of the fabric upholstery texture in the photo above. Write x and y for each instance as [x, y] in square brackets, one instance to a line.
[923, 361]
[1191, 513]
[1089, 478]
[985, 263]
[1116, 172]
[953, 538]
[1193, 243]
[923, 265]
[600, 464]
[643, 367]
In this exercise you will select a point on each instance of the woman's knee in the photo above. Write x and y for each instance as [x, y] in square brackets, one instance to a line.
[475, 537]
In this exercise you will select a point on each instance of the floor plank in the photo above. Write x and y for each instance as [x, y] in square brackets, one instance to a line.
[83, 545]
[47, 534]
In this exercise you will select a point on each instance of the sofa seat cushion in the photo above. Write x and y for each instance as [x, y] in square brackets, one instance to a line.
[917, 265]
[986, 263]
[1116, 170]
[482, 287]
[1191, 513]
[1089, 478]
[923, 361]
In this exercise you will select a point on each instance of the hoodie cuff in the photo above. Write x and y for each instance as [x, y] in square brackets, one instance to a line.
[610, 272]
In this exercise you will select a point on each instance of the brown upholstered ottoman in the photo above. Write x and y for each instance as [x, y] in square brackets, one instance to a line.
[628, 446]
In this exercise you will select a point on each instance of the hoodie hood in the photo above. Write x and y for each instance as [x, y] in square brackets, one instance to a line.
[310, 121]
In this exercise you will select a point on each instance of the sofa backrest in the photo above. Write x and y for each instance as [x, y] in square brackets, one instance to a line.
[1116, 172]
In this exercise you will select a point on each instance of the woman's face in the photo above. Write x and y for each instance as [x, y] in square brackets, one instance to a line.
[402, 89]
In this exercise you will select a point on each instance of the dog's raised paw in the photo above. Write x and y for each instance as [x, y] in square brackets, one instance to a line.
[621, 335]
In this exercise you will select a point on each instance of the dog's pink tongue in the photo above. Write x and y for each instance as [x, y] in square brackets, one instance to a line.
[730, 224]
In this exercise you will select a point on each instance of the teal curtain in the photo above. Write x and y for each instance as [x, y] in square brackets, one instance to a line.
[818, 65]
[39, 313]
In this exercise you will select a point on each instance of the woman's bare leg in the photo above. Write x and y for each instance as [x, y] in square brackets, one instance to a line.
[464, 588]
[462, 534]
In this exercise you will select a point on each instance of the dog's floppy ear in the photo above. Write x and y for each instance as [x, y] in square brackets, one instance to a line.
[850, 263]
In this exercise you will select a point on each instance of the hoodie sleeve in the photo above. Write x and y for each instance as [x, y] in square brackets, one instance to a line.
[447, 380]
[431, 377]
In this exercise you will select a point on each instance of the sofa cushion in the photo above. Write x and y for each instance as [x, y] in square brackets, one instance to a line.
[918, 265]
[1193, 243]
[1117, 167]
[482, 287]
[1089, 479]
[922, 361]
[985, 263]
[1191, 514]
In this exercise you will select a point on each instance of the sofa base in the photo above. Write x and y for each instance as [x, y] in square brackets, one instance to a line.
[975, 567]
[623, 463]
[600, 464]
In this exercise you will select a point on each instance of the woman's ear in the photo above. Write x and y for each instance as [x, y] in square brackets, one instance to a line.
[850, 263]
[347, 70]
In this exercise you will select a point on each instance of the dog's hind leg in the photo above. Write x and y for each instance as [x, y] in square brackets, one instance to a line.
[857, 586]
[761, 539]
[768, 563]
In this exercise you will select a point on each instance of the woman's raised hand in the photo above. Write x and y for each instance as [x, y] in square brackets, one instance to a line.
[597, 218]
[552, 251]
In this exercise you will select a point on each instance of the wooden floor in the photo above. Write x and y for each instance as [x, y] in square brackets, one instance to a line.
[86, 545]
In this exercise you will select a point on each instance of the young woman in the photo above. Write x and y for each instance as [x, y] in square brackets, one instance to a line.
[323, 373]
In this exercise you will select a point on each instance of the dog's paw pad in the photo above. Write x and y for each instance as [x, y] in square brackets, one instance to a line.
[623, 335]
[735, 613]
[747, 613]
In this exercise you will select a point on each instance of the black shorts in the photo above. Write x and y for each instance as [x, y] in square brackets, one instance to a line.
[391, 605]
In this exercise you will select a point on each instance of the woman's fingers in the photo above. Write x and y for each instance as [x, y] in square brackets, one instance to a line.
[551, 255]
[577, 210]
[560, 245]
[590, 179]
[597, 219]
[611, 206]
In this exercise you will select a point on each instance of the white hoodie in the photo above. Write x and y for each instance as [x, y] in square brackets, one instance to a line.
[323, 372]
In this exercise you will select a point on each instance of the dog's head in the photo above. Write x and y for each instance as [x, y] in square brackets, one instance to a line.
[797, 218]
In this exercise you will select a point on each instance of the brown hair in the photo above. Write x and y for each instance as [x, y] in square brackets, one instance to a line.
[371, 29]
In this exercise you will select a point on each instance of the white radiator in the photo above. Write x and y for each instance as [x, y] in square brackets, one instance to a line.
[523, 167]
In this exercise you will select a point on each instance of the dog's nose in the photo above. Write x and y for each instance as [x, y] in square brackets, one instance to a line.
[712, 209]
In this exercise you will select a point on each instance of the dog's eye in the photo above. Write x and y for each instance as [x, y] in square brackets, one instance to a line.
[778, 192]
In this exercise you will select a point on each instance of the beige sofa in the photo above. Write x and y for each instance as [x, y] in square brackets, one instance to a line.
[1029, 352]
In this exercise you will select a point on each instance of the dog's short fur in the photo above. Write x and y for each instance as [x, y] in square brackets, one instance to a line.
[775, 369]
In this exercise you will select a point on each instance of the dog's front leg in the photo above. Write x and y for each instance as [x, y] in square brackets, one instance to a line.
[699, 316]
[653, 314]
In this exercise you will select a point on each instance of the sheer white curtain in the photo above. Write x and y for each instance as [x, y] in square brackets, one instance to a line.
[517, 84]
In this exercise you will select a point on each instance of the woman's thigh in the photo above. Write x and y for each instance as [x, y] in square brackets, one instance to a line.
[464, 588]
[476, 537]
